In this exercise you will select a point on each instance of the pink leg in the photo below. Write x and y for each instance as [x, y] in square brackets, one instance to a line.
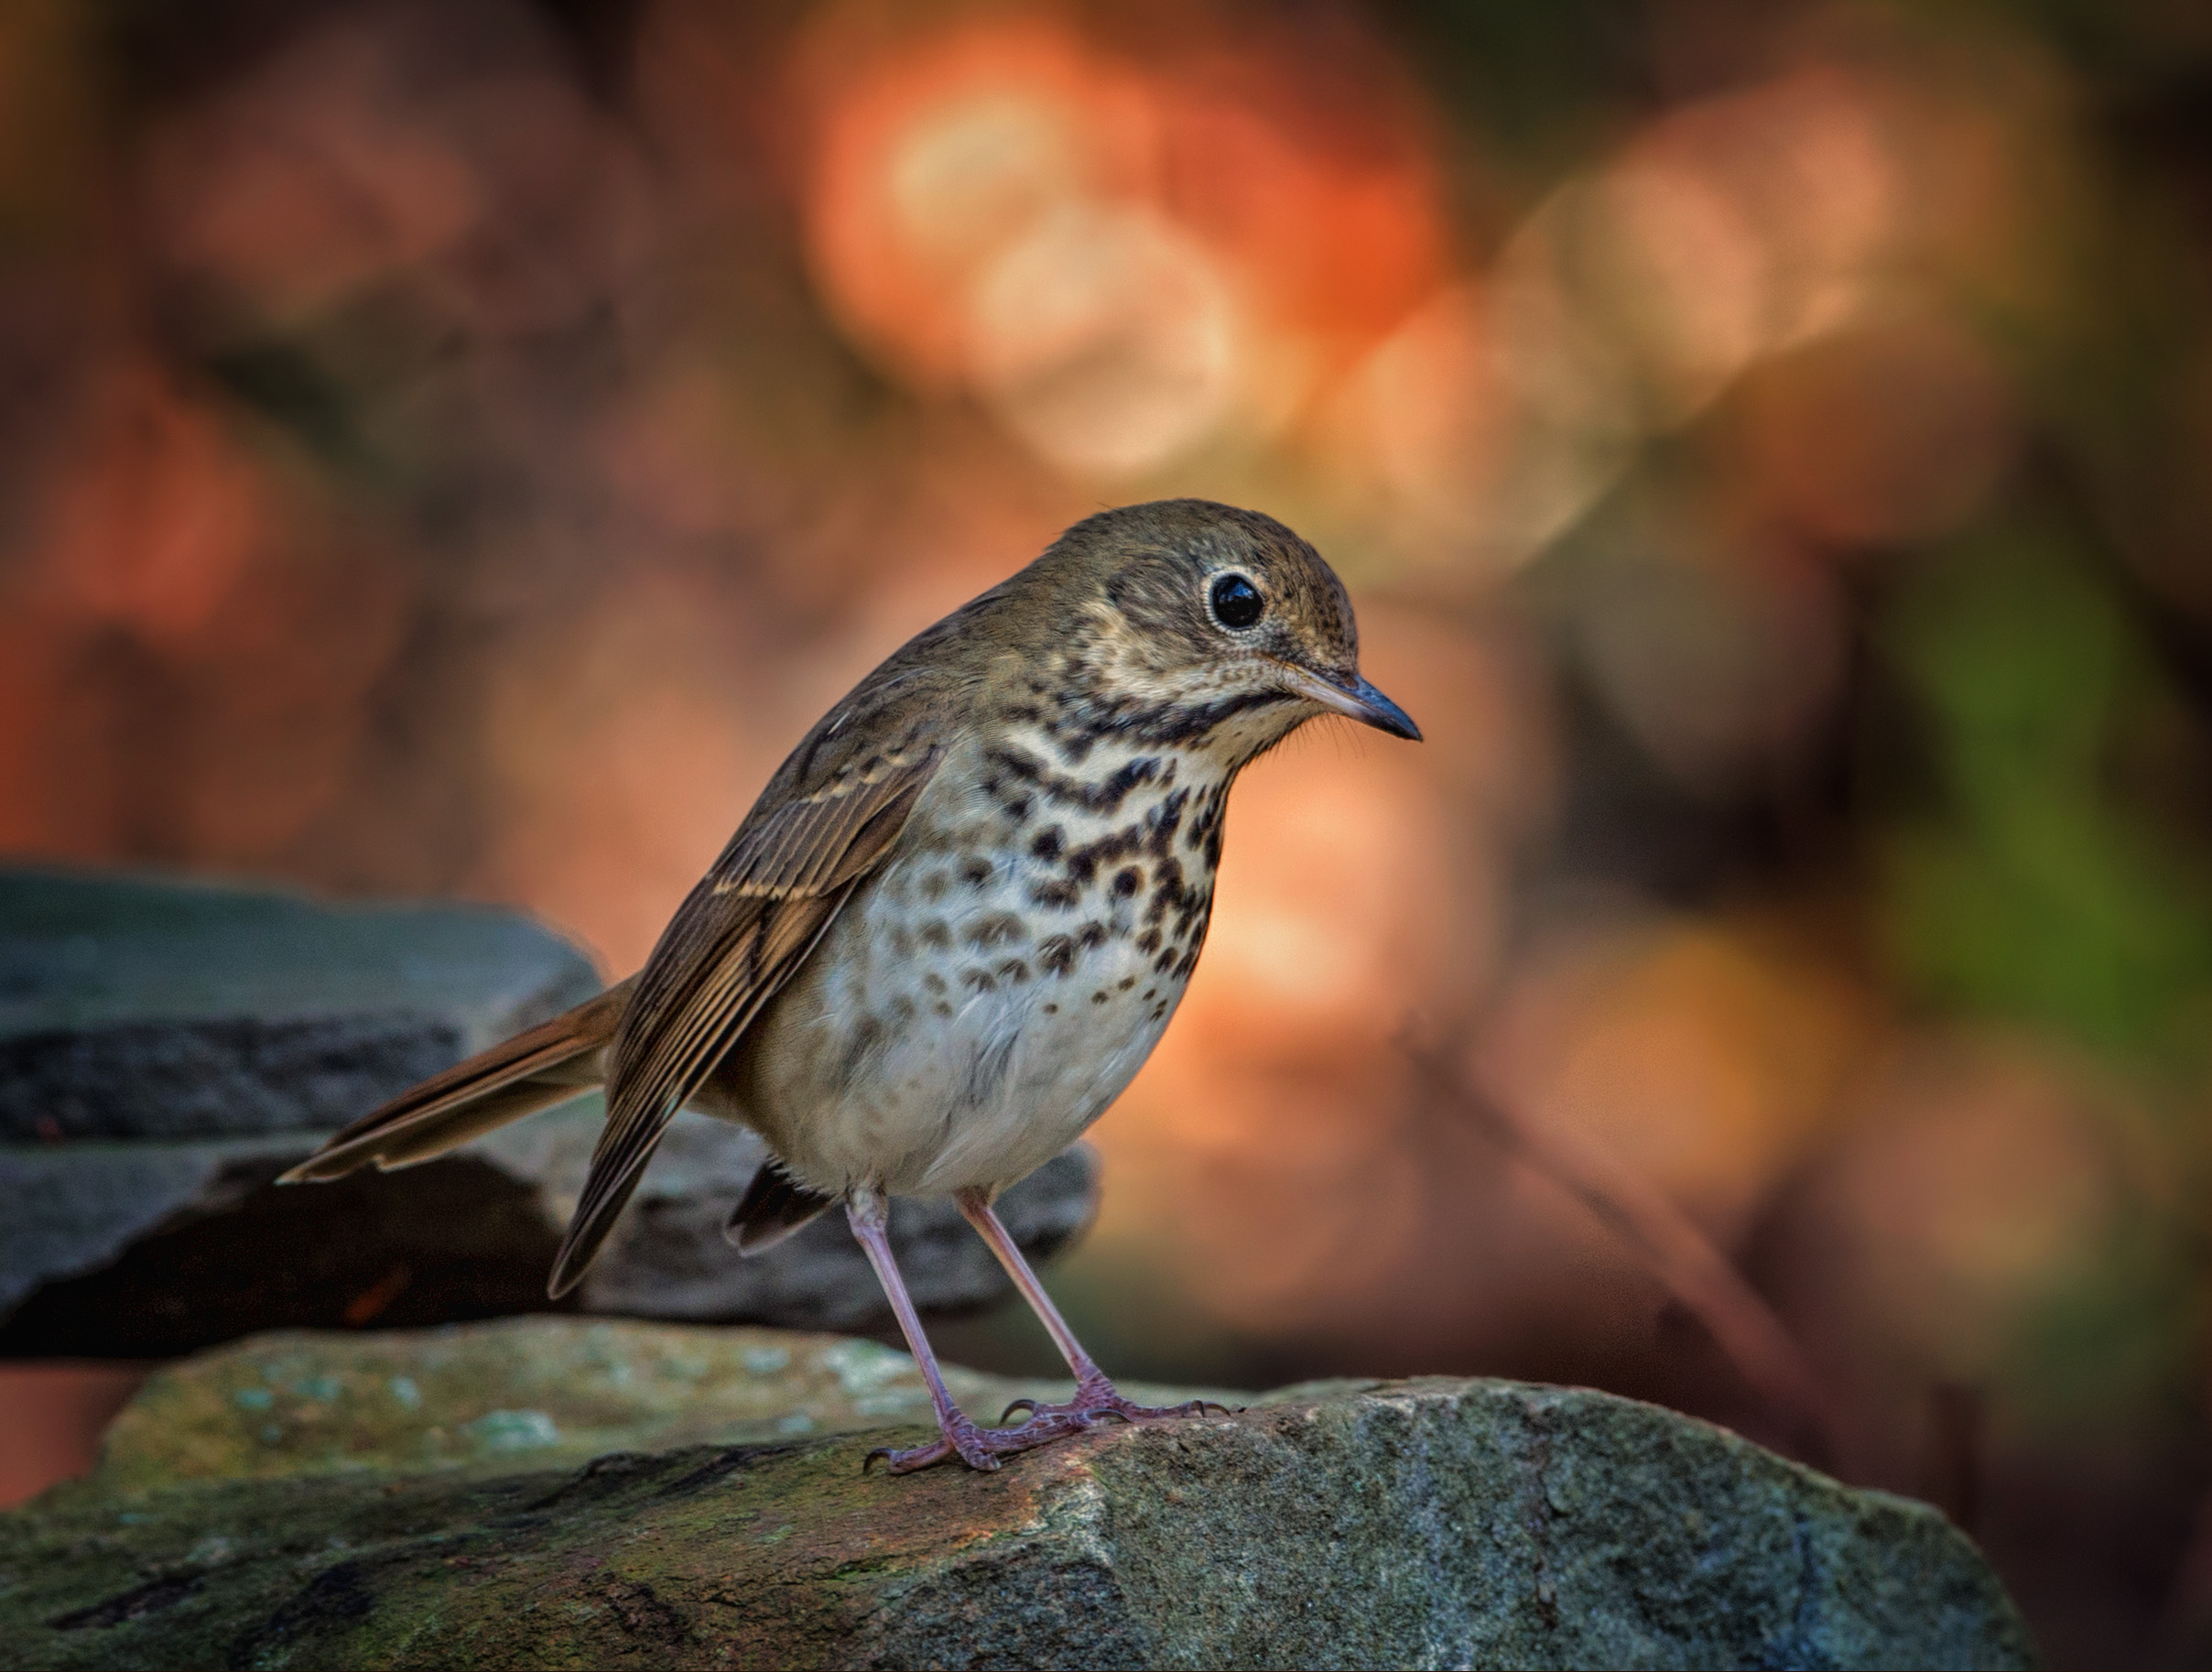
[1095, 1399]
[869, 1215]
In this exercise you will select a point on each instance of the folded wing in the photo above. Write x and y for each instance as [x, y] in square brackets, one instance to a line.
[731, 946]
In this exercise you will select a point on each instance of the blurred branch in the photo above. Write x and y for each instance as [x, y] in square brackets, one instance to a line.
[1681, 1256]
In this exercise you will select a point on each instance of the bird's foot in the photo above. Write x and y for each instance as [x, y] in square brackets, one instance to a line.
[979, 1447]
[1096, 1402]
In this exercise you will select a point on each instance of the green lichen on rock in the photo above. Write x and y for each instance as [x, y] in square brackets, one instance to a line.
[523, 1393]
[1432, 1522]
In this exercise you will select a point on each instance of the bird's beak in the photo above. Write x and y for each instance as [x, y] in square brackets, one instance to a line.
[1353, 698]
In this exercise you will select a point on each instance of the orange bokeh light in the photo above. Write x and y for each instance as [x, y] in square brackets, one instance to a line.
[1118, 256]
[929, 160]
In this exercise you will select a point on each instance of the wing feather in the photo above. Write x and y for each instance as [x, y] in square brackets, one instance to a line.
[735, 942]
[545, 1065]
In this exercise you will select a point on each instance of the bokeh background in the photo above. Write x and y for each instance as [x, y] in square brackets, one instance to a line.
[456, 447]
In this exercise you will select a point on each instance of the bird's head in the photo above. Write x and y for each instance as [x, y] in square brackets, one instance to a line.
[1184, 621]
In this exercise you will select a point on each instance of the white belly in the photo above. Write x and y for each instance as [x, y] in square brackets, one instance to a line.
[996, 1072]
[950, 1031]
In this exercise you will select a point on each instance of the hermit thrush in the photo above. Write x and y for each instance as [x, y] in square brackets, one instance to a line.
[959, 918]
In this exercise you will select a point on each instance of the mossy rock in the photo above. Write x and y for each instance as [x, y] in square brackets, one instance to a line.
[1428, 1523]
[521, 1393]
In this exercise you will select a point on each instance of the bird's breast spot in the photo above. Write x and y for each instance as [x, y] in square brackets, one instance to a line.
[995, 928]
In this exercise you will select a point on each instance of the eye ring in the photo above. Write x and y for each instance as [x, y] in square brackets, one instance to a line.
[1235, 602]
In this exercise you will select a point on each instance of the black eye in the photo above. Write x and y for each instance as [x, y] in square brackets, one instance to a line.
[1236, 601]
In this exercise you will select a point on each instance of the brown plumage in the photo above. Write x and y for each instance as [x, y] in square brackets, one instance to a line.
[961, 914]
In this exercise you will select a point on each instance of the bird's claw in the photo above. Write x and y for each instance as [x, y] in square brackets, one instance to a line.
[1097, 1402]
[979, 1447]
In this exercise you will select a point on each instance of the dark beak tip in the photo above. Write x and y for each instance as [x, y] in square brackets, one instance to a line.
[1385, 715]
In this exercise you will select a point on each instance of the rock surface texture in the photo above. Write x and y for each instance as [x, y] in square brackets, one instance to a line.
[139, 1010]
[167, 1048]
[1431, 1523]
[517, 1392]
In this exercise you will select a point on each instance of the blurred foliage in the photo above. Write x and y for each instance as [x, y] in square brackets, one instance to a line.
[2027, 890]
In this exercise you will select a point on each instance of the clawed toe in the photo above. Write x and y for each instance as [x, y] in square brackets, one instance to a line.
[978, 1448]
[896, 1461]
[1080, 1411]
[981, 1448]
[1092, 1406]
[1198, 1407]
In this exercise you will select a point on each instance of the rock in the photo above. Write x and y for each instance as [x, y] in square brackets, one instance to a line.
[167, 1048]
[147, 1251]
[473, 1397]
[1427, 1523]
[142, 1010]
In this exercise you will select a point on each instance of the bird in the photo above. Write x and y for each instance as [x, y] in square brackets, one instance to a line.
[957, 920]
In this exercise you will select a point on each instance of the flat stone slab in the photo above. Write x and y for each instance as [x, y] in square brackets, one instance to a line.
[167, 1048]
[139, 1009]
[1434, 1523]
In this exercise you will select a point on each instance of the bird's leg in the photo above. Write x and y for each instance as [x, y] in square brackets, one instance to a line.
[979, 1447]
[1095, 1399]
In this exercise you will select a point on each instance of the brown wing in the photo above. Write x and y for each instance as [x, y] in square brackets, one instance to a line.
[730, 949]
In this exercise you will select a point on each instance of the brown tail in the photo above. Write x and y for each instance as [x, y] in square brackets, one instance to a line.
[548, 1064]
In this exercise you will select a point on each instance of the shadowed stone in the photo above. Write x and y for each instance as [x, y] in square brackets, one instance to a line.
[418, 1501]
[167, 1048]
[668, 1258]
[144, 1011]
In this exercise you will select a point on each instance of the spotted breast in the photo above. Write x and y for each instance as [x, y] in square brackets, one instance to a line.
[988, 993]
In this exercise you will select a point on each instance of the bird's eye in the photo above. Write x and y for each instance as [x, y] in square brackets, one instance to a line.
[1236, 601]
